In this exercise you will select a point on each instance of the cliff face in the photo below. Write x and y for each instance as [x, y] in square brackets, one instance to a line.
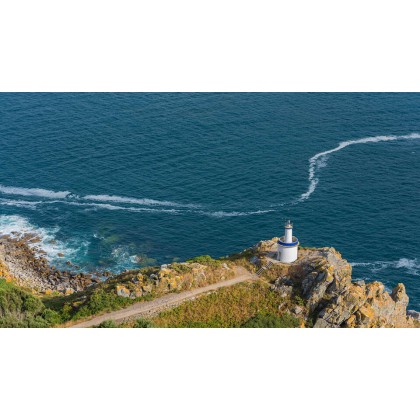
[323, 279]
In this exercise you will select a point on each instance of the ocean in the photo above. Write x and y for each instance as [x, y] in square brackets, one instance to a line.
[124, 180]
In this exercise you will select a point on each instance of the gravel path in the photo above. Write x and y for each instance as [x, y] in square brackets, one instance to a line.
[170, 300]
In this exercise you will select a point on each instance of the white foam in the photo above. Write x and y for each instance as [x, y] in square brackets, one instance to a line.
[411, 266]
[222, 214]
[319, 160]
[48, 242]
[113, 207]
[33, 192]
[20, 203]
[139, 201]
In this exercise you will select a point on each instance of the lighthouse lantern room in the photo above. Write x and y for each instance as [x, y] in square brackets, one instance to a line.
[287, 249]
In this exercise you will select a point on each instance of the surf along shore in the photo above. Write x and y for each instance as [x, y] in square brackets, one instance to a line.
[24, 262]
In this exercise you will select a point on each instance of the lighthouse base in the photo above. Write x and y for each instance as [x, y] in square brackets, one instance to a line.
[287, 254]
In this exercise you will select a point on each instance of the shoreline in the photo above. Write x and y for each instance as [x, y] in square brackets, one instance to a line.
[24, 263]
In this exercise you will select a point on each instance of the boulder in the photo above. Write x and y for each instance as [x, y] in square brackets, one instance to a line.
[123, 291]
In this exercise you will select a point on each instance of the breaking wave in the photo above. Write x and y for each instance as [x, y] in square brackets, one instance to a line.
[16, 226]
[319, 160]
[411, 266]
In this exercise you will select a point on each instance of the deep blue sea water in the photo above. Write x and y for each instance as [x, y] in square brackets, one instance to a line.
[122, 180]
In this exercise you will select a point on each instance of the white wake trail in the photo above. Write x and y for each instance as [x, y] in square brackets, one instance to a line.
[319, 160]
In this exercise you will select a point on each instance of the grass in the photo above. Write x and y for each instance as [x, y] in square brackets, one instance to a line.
[226, 308]
[272, 321]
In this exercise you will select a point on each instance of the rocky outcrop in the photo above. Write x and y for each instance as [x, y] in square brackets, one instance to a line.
[323, 279]
[25, 265]
[170, 277]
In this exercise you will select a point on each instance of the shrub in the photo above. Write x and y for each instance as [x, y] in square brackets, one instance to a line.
[143, 323]
[272, 321]
[101, 300]
[52, 317]
[19, 308]
[109, 323]
[205, 260]
[298, 300]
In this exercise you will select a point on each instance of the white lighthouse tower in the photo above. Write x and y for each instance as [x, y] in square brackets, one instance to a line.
[287, 249]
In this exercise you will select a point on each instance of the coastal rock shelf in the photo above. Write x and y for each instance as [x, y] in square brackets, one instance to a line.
[25, 265]
[322, 279]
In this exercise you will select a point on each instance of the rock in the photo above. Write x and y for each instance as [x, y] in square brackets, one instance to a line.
[123, 291]
[147, 288]
[60, 254]
[136, 294]
[360, 283]
[297, 310]
[324, 278]
[283, 290]
[281, 306]
[266, 246]
[69, 291]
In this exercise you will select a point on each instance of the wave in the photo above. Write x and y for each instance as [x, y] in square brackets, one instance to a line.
[319, 160]
[412, 266]
[17, 226]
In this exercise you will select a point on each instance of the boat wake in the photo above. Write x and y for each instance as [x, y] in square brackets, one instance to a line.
[319, 160]
[148, 205]
[110, 202]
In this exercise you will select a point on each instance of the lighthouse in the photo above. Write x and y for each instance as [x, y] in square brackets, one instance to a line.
[287, 249]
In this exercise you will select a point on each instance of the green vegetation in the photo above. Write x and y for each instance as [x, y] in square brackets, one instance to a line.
[205, 260]
[109, 323]
[144, 323]
[227, 307]
[19, 308]
[243, 259]
[272, 321]
[101, 300]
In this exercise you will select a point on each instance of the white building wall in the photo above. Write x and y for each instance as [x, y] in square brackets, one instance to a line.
[287, 254]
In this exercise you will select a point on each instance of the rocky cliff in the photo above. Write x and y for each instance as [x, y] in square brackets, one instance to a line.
[321, 278]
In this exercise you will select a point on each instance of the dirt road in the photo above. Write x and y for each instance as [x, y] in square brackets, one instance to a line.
[162, 303]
